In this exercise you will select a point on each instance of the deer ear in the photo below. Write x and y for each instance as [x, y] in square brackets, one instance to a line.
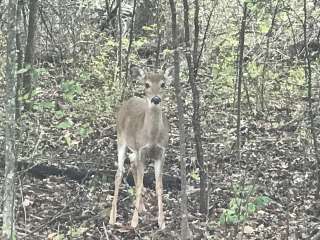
[169, 75]
[137, 73]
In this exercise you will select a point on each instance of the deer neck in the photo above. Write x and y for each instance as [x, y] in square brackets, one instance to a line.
[153, 121]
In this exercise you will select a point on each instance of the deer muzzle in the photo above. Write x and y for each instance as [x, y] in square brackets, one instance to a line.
[156, 100]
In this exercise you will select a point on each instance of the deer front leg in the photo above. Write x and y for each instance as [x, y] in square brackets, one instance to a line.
[117, 182]
[139, 187]
[133, 169]
[159, 190]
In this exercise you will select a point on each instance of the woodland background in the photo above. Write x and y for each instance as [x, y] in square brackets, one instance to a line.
[252, 166]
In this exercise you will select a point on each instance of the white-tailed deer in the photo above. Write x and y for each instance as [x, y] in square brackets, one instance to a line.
[143, 128]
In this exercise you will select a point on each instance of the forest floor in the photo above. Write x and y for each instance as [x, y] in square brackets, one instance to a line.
[276, 162]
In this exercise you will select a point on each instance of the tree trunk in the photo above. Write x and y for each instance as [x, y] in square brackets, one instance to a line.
[120, 41]
[308, 77]
[239, 80]
[19, 55]
[263, 78]
[185, 233]
[131, 36]
[29, 51]
[159, 33]
[196, 105]
[10, 138]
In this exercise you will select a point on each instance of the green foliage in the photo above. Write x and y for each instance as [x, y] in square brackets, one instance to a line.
[43, 105]
[102, 68]
[73, 233]
[264, 25]
[296, 76]
[131, 192]
[70, 90]
[254, 70]
[77, 232]
[85, 130]
[36, 73]
[65, 124]
[244, 204]
[223, 71]
[57, 236]
[23, 70]
[195, 175]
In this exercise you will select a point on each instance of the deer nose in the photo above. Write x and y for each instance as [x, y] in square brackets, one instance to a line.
[156, 100]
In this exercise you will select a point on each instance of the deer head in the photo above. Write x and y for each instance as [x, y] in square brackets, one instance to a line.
[154, 84]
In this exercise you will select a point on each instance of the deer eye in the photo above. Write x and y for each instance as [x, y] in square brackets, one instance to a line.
[147, 85]
[163, 85]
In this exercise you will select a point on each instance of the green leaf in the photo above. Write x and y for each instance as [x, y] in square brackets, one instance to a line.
[59, 113]
[148, 28]
[23, 70]
[77, 232]
[58, 237]
[67, 138]
[228, 216]
[48, 104]
[264, 27]
[131, 191]
[262, 201]
[85, 131]
[35, 92]
[195, 175]
[251, 208]
[37, 72]
[235, 203]
[65, 125]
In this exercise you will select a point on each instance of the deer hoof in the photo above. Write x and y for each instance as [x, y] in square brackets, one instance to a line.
[112, 219]
[142, 207]
[134, 223]
[135, 220]
[161, 223]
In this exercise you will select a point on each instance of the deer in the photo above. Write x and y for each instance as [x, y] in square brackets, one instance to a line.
[143, 128]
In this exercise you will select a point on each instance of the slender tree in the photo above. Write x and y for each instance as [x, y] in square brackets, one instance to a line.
[8, 229]
[263, 77]
[159, 33]
[308, 77]
[239, 78]
[30, 45]
[193, 69]
[239, 90]
[19, 55]
[185, 233]
[120, 40]
[131, 36]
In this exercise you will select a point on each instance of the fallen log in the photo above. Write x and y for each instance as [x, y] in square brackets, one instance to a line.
[44, 170]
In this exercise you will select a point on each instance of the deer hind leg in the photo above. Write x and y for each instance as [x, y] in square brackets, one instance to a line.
[158, 164]
[117, 182]
[133, 169]
[139, 187]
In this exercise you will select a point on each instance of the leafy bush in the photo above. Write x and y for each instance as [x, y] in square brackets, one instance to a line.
[246, 202]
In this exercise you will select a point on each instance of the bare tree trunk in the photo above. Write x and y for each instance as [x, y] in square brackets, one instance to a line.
[308, 77]
[196, 104]
[19, 55]
[263, 80]
[238, 92]
[159, 34]
[29, 51]
[131, 35]
[239, 80]
[120, 41]
[8, 229]
[185, 233]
